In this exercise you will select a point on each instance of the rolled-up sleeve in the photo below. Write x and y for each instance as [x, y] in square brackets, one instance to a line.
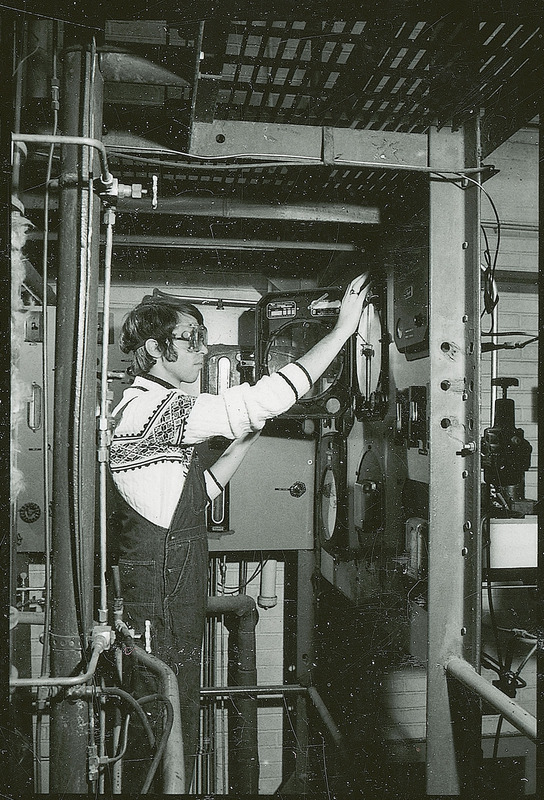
[243, 409]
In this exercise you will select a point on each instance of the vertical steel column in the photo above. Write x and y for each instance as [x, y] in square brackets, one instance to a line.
[74, 452]
[453, 735]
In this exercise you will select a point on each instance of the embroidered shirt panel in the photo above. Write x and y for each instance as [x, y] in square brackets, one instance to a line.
[158, 438]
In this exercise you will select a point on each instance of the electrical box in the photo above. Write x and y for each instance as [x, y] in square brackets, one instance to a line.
[271, 503]
[29, 402]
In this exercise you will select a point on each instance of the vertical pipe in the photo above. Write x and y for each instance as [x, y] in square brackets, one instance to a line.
[74, 445]
[305, 656]
[103, 422]
[540, 484]
[173, 764]
[241, 617]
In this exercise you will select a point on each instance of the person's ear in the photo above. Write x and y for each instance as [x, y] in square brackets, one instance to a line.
[152, 347]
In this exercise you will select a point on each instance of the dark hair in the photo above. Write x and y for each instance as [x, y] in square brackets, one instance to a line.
[153, 319]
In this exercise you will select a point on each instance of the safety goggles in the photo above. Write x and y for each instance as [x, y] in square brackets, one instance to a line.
[196, 337]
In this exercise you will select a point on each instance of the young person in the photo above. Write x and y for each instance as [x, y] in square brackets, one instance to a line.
[164, 480]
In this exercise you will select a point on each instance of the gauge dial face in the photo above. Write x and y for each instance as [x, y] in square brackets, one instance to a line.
[329, 504]
[30, 512]
[368, 348]
[292, 341]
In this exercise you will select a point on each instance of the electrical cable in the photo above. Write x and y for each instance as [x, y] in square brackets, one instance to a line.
[134, 704]
[486, 348]
[45, 369]
[44, 667]
[515, 676]
[237, 589]
[164, 738]
[490, 298]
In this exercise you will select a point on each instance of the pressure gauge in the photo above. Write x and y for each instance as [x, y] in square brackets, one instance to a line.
[331, 508]
[329, 504]
[293, 340]
[370, 359]
[288, 325]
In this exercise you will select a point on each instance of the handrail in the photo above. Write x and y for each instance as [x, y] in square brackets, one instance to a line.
[517, 716]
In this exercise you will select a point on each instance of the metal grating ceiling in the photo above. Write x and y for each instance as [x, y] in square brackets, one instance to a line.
[380, 75]
[383, 74]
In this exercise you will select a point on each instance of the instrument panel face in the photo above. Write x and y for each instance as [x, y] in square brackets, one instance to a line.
[288, 324]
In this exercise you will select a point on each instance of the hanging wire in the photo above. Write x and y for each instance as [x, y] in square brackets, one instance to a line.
[515, 676]
[243, 583]
[491, 297]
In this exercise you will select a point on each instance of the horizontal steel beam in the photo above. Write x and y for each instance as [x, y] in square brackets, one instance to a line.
[512, 712]
[199, 243]
[313, 144]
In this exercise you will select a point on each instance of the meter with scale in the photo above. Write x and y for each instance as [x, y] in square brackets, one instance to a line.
[288, 324]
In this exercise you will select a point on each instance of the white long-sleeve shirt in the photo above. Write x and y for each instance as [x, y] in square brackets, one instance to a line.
[158, 424]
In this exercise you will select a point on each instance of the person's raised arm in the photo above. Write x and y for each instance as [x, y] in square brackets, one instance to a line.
[244, 408]
[316, 360]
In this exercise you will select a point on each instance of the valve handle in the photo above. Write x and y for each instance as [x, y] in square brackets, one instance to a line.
[504, 383]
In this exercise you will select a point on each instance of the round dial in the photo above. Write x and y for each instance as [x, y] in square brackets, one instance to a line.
[30, 512]
[368, 349]
[329, 504]
[292, 341]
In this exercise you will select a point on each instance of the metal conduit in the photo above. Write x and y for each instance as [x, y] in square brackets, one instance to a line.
[86, 141]
[517, 716]
[74, 680]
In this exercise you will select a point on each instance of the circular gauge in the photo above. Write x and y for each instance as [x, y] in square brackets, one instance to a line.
[30, 512]
[368, 351]
[292, 341]
[329, 504]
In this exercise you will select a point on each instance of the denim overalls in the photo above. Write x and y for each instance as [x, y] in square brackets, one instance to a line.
[164, 580]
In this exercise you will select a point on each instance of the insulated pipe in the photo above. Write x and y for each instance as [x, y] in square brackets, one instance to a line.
[327, 719]
[517, 716]
[74, 461]
[231, 208]
[173, 770]
[241, 617]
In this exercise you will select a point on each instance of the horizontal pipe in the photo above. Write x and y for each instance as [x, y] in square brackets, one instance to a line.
[74, 680]
[229, 208]
[226, 691]
[196, 243]
[512, 712]
[40, 138]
